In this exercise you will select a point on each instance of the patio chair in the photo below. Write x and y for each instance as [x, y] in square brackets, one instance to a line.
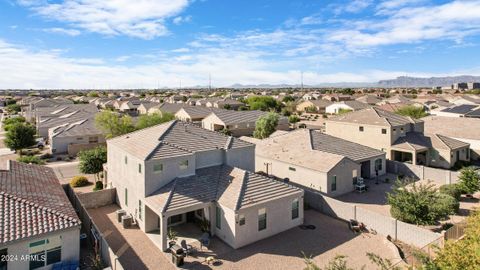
[186, 248]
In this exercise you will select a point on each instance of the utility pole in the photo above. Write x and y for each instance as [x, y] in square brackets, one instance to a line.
[209, 82]
[266, 165]
[301, 78]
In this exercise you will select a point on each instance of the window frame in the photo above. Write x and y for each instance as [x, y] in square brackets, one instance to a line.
[218, 217]
[155, 166]
[333, 185]
[262, 219]
[295, 209]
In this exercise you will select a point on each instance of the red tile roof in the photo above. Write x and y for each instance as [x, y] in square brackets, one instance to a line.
[32, 202]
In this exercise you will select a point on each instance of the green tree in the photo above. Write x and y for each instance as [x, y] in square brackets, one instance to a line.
[419, 204]
[464, 253]
[20, 136]
[412, 111]
[287, 99]
[13, 108]
[469, 180]
[91, 161]
[113, 125]
[145, 121]
[293, 119]
[93, 94]
[263, 103]
[266, 125]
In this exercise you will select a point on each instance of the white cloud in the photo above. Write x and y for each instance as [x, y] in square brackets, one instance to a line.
[142, 18]
[452, 21]
[226, 67]
[354, 6]
[180, 20]
[64, 31]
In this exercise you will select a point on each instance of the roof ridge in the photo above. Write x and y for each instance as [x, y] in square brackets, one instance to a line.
[441, 139]
[140, 130]
[242, 190]
[229, 142]
[170, 195]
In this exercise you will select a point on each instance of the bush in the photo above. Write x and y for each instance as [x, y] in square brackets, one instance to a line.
[98, 186]
[445, 205]
[453, 190]
[469, 180]
[29, 152]
[31, 160]
[46, 156]
[79, 181]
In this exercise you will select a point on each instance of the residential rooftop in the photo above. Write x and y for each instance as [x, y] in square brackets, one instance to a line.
[374, 116]
[455, 127]
[32, 202]
[174, 138]
[232, 187]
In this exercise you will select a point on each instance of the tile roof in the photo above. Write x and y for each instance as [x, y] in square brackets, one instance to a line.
[32, 202]
[460, 109]
[453, 127]
[231, 187]
[330, 144]
[171, 107]
[160, 141]
[196, 112]
[373, 116]
[419, 142]
[369, 99]
[80, 127]
[229, 117]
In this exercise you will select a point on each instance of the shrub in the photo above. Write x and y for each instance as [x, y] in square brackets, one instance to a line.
[98, 186]
[469, 180]
[29, 152]
[79, 181]
[445, 205]
[453, 190]
[31, 160]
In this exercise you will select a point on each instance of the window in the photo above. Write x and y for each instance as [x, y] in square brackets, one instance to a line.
[139, 168]
[262, 219]
[45, 252]
[175, 219]
[295, 209]
[183, 164]
[292, 169]
[401, 129]
[394, 130]
[126, 197]
[92, 139]
[378, 164]
[384, 131]
[333, 186]
[140, 210]
[360, 129]
[157, 168]
[79, 138]
[218, 217]
[126, 160]
[241, 220]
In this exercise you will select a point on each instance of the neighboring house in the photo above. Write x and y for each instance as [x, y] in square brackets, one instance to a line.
[316, 160]
[337, 97]
[53, 116]
[174, 99]
[36, 219]
[172, 108]
[73, 136]
[225, 103]
[177, 173]
[239, 123]
[472, 111]
[396, 99]
[29, 111]
[466, 100]
[369, 99]
[402, 138]
[466, 130]
[350, 105]
[129, 106]
[193, 113]
[317, 106]
[146, 106]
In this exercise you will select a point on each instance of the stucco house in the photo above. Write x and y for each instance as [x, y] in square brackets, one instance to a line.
[317, 160]
[239, 123]
[401, 138]
[75, 135]
[317, 106]
[349, 105]
[47, 118]
[36, 219]
[193, 113]
[176, 173]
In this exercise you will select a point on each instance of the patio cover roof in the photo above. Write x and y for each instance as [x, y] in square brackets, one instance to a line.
[231, 187]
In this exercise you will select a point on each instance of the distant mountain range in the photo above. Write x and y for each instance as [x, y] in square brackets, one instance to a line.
[427, 82]
[403, 81]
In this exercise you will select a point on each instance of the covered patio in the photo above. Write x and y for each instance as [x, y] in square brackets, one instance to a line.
[412, 148]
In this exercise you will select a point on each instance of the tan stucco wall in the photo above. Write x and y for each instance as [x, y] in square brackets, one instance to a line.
[70, 248]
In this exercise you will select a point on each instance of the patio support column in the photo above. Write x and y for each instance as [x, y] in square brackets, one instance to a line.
[211, 218]
[163, 232]
[414, 158]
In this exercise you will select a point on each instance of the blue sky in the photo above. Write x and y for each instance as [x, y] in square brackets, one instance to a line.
[150, 43]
